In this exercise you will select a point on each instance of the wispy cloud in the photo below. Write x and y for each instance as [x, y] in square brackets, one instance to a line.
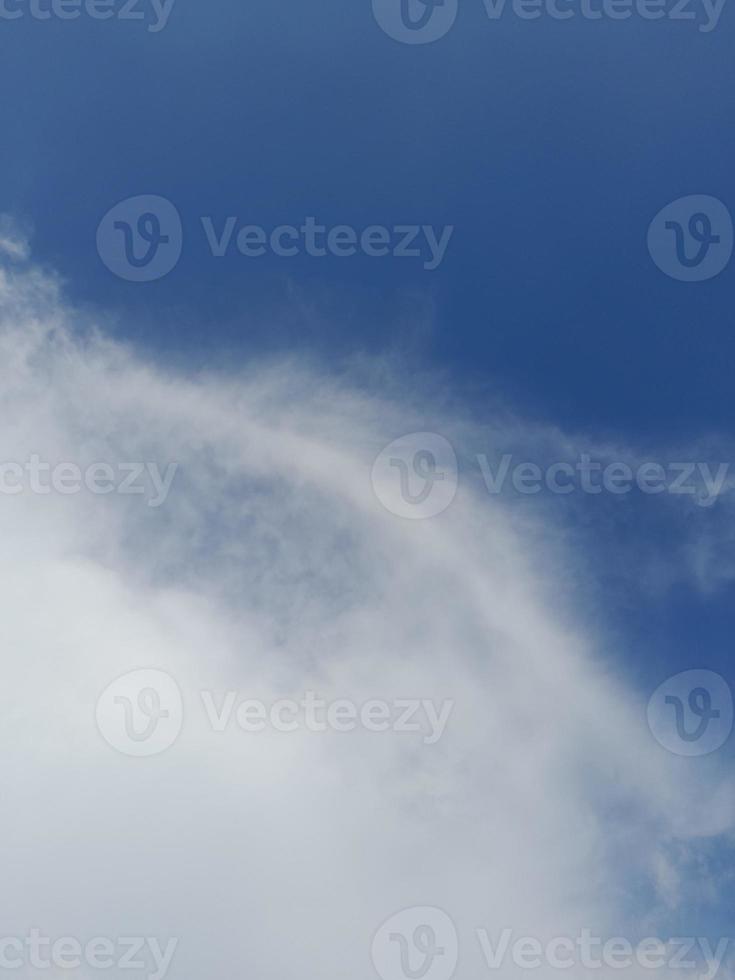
[273, 569]
[14, 239]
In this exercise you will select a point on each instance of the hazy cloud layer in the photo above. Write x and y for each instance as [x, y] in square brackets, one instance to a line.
[272, 570]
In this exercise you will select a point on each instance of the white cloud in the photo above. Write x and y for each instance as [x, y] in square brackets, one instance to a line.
[272, 569]
[14, 239]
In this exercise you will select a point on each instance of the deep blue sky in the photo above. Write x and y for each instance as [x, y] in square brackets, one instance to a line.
[548, 145]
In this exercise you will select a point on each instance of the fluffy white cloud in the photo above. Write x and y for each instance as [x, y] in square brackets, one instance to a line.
[272, 569]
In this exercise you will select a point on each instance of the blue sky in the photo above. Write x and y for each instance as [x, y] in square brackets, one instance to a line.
[549, 147]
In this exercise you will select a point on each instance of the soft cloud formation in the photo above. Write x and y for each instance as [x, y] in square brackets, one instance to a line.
[14, 239]
[273, 570]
